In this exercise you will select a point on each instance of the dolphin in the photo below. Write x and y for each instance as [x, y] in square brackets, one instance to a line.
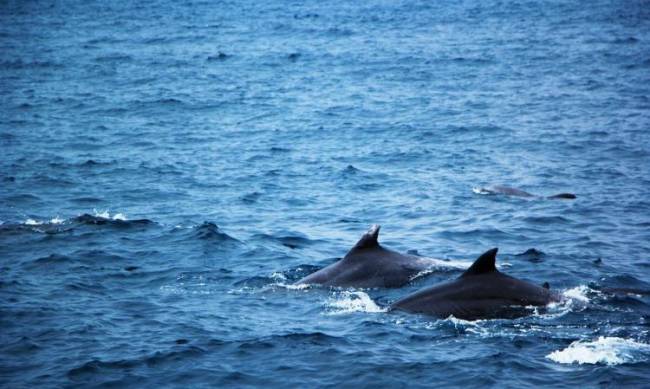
[506, 190]
[369, 265]
[481, 292]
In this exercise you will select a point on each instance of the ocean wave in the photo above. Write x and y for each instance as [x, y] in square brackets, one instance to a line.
[292, 240]
[97, 366]
[58, 224]
[105, 219]
[604, 350]
[210, 231]
[532, 255]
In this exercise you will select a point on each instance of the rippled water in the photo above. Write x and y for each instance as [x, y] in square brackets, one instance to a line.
[169, 169]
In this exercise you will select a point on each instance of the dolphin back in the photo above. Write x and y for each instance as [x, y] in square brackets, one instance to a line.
[481, 292]
[566, 196]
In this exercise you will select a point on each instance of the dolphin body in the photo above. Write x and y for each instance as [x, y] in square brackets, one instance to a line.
[506, 190]
[482, 292]
[369, 265]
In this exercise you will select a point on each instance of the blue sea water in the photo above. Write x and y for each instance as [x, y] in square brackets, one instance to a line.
[168, 169]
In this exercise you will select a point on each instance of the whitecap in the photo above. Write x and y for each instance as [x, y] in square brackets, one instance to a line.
[604, 350]
[352, 301]
[32, 222]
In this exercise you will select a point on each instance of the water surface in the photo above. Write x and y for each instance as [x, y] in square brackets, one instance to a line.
[167, 170]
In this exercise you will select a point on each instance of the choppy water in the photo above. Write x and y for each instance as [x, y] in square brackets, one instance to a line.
[168, 169]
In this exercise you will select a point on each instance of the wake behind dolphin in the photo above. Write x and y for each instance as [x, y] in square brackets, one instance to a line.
[369, 265]
[481, 292]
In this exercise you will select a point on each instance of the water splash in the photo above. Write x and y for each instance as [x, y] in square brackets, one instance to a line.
[107, 215]
[580, 293]
[604, 350]
[352, 301]
[34, 222]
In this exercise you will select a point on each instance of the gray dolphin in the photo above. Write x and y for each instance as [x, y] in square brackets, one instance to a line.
[506, 190]
[369, 265]
[482, 292]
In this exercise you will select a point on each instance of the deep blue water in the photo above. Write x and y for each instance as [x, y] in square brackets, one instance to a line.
[167, 170]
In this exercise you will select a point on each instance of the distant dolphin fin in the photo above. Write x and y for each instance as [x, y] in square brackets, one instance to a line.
[369, 239]
[568, 196]
[546, 285]
[486, 263]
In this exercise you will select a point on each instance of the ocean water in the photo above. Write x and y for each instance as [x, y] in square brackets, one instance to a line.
[169, 169]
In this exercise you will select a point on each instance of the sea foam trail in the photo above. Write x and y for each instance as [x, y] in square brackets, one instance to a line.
[604, 350]
[352, 301]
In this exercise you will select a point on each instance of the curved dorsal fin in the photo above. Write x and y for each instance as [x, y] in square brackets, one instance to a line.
[369, 239]
[484, 264]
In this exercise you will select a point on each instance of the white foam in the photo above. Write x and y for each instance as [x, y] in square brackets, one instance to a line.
[278, 276]
[573, 300]
[107, 215]
[481, 191]
[32, 222]
[352, 301]
[462, 322]
[434, 264]
[452, 263]
[57, 220]
[292, 286]
[580, 293]
[605, 350]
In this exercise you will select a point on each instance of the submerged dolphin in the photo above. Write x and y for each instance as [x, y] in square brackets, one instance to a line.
[506, 190]
[482, 292]
[368, 265]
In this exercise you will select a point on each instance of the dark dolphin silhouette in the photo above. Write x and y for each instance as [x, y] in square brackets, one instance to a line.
[482, 292]
[369, 265]
[508, 191]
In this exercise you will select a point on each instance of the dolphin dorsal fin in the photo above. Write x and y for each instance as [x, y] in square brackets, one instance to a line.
[484, 264]
[369, 239]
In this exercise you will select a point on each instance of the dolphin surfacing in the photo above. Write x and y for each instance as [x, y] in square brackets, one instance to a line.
[508, 191]
[482, 292]
[369, 265]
